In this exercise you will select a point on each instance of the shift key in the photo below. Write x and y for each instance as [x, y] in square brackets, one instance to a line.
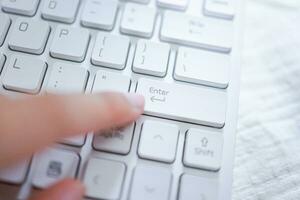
[199, 105]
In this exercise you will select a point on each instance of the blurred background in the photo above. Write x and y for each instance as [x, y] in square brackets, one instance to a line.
[267, 164]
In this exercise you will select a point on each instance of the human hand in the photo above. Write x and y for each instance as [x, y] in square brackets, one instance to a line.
[42, 120]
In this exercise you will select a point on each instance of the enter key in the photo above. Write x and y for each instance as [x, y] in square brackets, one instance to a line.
[191, 104]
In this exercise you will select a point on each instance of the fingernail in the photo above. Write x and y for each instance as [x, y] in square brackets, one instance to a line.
[137, 101]
[74, 192]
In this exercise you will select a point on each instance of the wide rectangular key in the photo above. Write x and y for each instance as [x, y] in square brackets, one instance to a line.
[219, 8]
[203, 150]
[163, 137]
[4, 26]
[198, 188]
[116, 140]
[110, 51]
[15, 174]
[60, 10]
[53, 165]
[202, 67]
[22, 7]
[100, 14]
[151, 58]
[67, 78]
[149, 183]
[24, 74]
[138, 20]
[29, 35]
[66, 45]
[109, 81]
[2, 61]
[203, 32]
[186, 103]
[173, 4]
[103, 179]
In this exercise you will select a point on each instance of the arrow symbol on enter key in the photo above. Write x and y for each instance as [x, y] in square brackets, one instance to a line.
[153, 99]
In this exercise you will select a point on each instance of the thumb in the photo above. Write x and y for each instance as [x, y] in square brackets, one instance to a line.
[65, 190]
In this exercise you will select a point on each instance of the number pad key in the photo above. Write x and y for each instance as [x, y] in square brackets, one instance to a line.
[22, 7]
[203, 150]
[24, 74]
[66, 44]
[114, 140]
[138, 20]
[4, 26]
[53, 165]
[60, 10]
[163, 137]
[103, 179]
[21, 38]
[150, 183]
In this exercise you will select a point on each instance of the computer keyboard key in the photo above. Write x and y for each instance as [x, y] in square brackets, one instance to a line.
[163, 137]
[151, 58]
[22, 7]
[66, 45]
[15, 174]
[24, 74]
[202, 32]
[219, 8]
[116, 140]
[60, 10]
[100, 14]
[2, 61]
[103, 179]
[4, 26]
[173, 4]
[21, 37]
[202, 67]
[203, 149]
[138, 20]
[77, 141]
[110, 51]
[206, 106]
[54, 165]
[150, 183]
[67, 78]
[141, 1]
[110, 81]
[197, 188]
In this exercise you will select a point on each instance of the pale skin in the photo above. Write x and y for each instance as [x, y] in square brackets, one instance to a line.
[29, 124]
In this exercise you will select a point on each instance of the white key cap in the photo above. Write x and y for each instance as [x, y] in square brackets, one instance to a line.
[197, 188]
[24, 74]
[163, 137]
[103, 179]
[110, 51]
[22, 7]
[202, 67]
[53, 165]
[115, 140]
[66, 44]
[203, 150]
[2, 61]
[15, 174]
[141, 1]
[100, 14]
[203, 32]
[21, 38]
[77, 141]
[198, 105]
[60, 10]
[219, 8]
[109, 81]
[151, 58]
[150, 183]
[4, 26]
[67, 78]
[173, 4]
[138, 20]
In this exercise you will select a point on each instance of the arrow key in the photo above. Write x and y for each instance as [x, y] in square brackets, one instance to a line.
[163, 137]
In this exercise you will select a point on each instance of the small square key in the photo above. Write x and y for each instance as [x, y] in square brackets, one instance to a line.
[21, 7]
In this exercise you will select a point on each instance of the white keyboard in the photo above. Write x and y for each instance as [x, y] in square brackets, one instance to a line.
[182, 55]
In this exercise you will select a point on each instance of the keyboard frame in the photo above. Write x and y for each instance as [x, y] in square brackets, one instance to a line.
[225, 175]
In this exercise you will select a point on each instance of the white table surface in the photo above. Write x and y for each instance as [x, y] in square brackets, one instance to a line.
[267, 163]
